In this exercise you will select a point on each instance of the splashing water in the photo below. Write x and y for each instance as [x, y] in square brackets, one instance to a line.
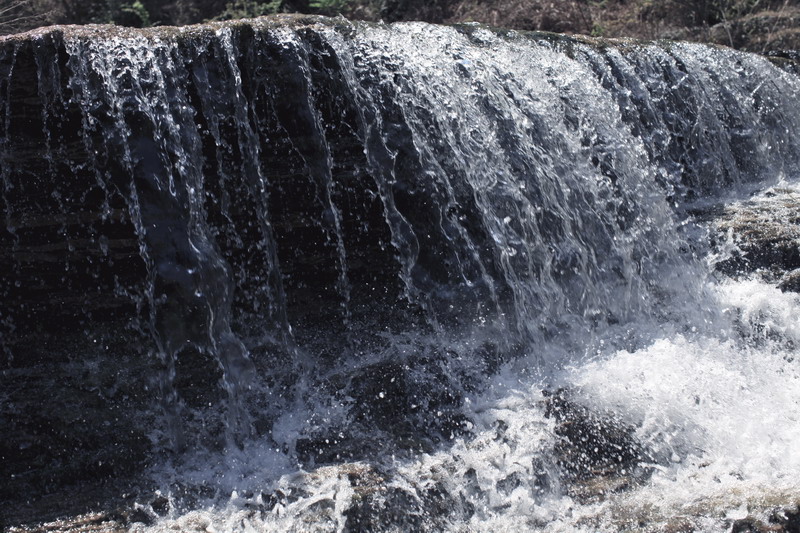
[410, 251]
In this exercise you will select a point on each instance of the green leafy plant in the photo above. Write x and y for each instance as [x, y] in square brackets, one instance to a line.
[249, 9]
[598, 30]
[137, 13]
[330, 7]
[123, 13]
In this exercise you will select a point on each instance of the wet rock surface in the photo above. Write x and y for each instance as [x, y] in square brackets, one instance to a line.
[85, 375]
[781, 520]
[596, 454]
[74, 428]
[761, 237]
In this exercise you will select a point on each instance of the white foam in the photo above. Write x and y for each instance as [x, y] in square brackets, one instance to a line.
[712, 388]
[722, 414]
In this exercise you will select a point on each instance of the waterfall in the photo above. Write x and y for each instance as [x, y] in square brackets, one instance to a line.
[362, 233]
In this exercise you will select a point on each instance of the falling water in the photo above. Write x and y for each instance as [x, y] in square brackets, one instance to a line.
[396, 244]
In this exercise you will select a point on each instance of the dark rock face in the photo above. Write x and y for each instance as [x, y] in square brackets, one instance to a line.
[591, 445]
[596, 455]
[108, 227]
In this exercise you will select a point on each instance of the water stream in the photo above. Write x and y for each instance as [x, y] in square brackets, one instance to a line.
[395, 244]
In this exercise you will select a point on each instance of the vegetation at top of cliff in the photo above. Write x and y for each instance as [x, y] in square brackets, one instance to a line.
[20, 15]
[756, 25]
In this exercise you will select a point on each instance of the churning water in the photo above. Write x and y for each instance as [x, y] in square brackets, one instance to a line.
[401, 245]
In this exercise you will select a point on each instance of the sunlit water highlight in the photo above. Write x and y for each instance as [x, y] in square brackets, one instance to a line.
[492, 218]
[718, 412]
